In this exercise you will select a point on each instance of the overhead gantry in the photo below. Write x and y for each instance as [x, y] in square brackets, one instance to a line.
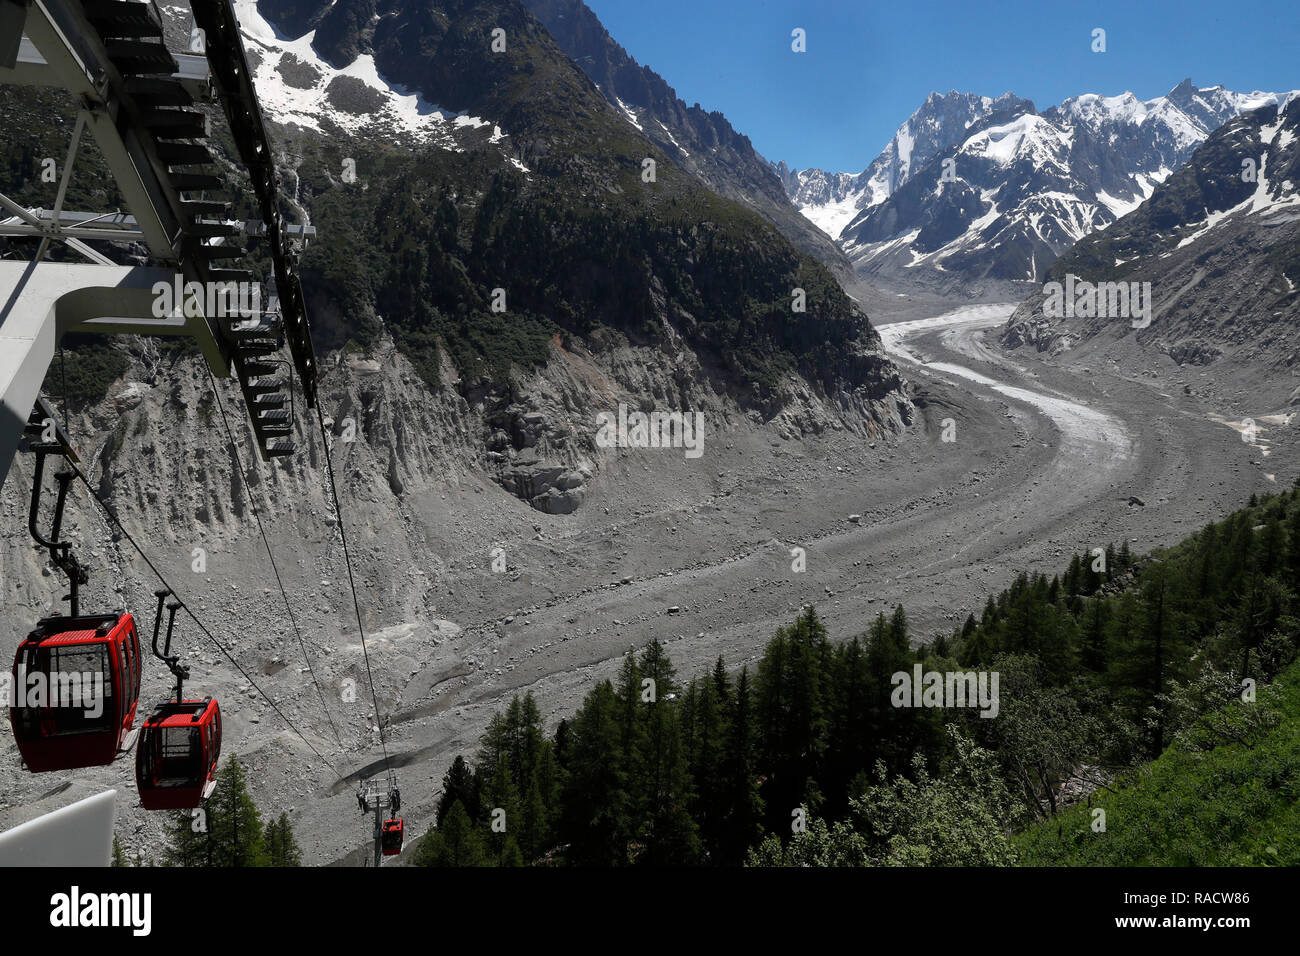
[144, 106]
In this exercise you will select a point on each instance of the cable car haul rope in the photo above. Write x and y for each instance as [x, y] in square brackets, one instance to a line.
[388, 832]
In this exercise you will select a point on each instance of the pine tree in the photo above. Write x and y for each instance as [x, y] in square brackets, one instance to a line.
[1208, 573]
[234, 824]
[562, 745]
[669, 835]
[550, 781]
[770, 700]
[630, 727]
[281, 845]
[1262, 603]
[520, 750]
[456, 843]
[741, 813]
[978, 648]
[500, 803]
[889, 727]
[1240, 549]
[1024, 619]
[226, 831]
[897, 626]
[1148, 648]
[493, 748]
[687, 716]
[706, 737]
[793, 691]
[595, 807]
[1272, 545]
[510, 854]
[1292, 556]
[534, 820]
[990, 614]
[189, 840]
[851, 741]
[458, 784]
[1092, 579]
[1092, 654]
[1073, 575]
[524, 740]
[721, 684]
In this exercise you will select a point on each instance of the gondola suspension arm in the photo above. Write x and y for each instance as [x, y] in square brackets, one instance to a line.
[60, 551]
[173, 661]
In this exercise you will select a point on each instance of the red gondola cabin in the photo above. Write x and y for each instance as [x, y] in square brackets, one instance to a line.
[391, 837]
[76, 682]
[176, 763]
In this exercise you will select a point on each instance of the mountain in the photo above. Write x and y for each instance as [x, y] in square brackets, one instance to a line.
[1219, 242]
[447, 179]
[702, 143]
[487, 213]
[832, 200]
[1014, 188]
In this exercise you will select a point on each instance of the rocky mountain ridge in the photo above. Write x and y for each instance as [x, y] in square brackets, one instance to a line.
[1003, 190]
[1218, 243]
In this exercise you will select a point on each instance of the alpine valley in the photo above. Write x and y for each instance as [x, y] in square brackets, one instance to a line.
[612, 398]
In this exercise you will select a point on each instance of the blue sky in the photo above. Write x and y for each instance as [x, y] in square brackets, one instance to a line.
[869, 65]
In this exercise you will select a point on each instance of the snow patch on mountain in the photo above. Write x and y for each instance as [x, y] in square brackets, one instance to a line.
[1026, 137]
[298, 87]
[832, 217]
[1146, 184]
[630, 114]
[672, 139]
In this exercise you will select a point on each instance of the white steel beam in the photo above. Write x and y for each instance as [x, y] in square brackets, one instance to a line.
[41, 302]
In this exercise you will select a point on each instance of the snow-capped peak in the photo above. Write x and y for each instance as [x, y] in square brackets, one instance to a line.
[1017, 187]
[832, 200]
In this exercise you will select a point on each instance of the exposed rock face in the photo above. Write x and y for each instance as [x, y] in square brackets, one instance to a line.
[1039, 333]
[547, 487]
[131, 396]
[542, 448]
[400, 449]
[519, 448]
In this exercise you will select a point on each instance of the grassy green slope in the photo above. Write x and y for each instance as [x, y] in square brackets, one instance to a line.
[1229, 796]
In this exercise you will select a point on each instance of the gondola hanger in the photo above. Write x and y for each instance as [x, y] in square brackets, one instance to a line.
[180, 742]
[76, 679]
